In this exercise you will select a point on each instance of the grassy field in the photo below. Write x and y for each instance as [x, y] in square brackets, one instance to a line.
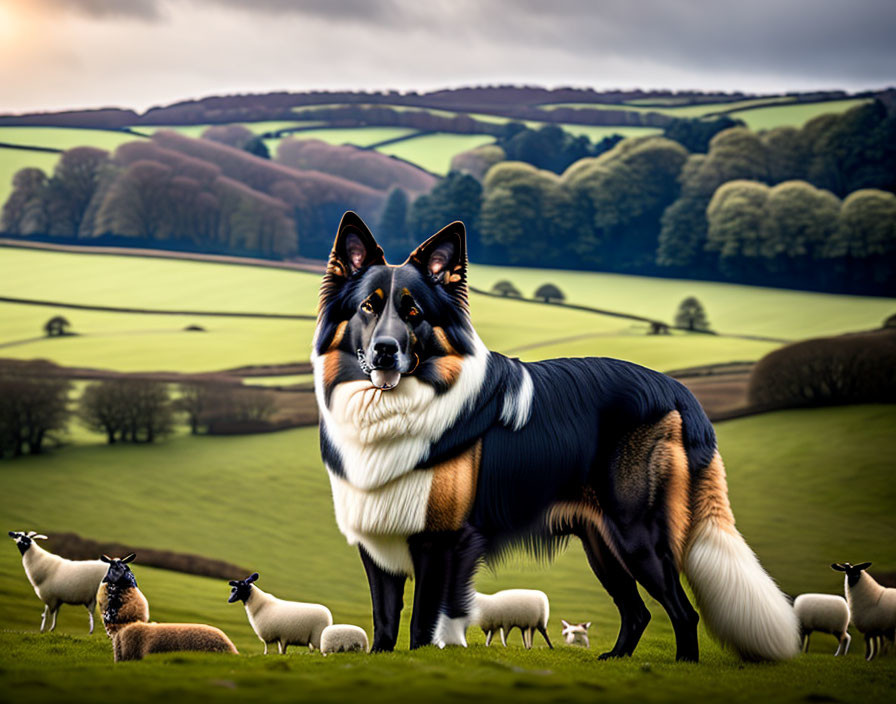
[434, 151]
[64, 137]
[673, 110]
[597, 132]
[263, 502]
[791, 115]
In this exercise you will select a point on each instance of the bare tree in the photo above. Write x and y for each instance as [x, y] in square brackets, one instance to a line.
[32, 409]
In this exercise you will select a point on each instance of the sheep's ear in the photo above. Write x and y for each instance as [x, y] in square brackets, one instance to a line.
[39, 536]
[233, 583]
[129, 558]
[587, 624]
[837, 566]
[565, 623]
[12, 534]
[252, 577]
[106, 559]
[861, 566]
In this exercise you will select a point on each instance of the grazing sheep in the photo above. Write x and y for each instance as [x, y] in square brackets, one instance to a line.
[872, 606]
[576, 633]
[826, 613]
[343, 638]
[277, 621]
[526, 609]
[58, 581]
[126, 612]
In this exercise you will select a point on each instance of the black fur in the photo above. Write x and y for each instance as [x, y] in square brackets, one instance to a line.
[242, 588]
[23, 542]
[119, 580]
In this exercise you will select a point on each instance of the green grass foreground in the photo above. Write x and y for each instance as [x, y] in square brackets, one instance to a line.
[82, 671]
[808, 488]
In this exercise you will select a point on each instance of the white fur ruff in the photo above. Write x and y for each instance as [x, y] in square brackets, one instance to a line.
[742, 606]
[517, 404]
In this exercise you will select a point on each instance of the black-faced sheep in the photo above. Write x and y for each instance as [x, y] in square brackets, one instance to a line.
[576, 633]
[526, 609]
[343, 638]
[872, 606]
[826, 613]
[126, 612]
[277, 621]
[58, 581]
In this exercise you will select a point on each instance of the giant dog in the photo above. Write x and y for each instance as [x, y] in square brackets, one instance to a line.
[441, 453]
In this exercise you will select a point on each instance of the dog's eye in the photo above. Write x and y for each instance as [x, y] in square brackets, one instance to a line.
[414, 313]
[367, 307]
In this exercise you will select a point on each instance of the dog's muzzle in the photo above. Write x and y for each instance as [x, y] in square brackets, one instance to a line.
[385, 379]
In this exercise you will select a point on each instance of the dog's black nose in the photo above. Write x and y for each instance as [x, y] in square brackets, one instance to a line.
[385, 352]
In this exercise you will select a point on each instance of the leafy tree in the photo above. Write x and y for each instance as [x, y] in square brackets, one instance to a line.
[695, 134]
[393, 227]
[735, 217]
[691, 315]
[550, 293]
[865, 240]
[56, 326]
[477, 161]
[75, 180]
[456, 197]
[257, 147]
[25, 210]
[506, 288]
[237, 136]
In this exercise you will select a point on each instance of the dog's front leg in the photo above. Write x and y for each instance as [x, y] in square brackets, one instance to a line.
[387, 597]
[431, 555]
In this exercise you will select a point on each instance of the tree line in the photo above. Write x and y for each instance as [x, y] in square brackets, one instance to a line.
[36, 409]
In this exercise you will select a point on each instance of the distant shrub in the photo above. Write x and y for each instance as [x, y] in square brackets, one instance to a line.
[550, 293]
[505, 288]
[194, 328]
[856, 368]
[691, 315]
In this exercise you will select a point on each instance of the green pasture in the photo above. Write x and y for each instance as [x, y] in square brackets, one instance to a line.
[597, 132]
[284, 380]
[65, 137]
[433, 152]
[673, 110]
[808, 488]
[11, 160]
[682, 101]
[792, 115]
[196, 131]
[731, 308]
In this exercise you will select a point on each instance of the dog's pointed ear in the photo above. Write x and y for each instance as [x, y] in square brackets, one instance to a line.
[353, 249]
[443, 259]
[233, 583]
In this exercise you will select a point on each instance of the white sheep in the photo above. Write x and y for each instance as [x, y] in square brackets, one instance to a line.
[526, 609]
[126, 615]
[277, 621]
[58, 581]
[826, 613]
[872, 606]
[343, 638]
[576, 633]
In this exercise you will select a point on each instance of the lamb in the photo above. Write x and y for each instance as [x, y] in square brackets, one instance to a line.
[576, 633]
[343, 638]
[58, 581]
[277, 621]
[826, 613]
[526, 609]
[126, 615]
[872, 606]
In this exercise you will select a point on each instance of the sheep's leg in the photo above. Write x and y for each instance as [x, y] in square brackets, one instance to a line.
[488, 638]
[91, 607]
[265, 648]
[387, 597]
[431, 554]
[620, 585]
[503, 639]
[843, 644]
[806, 641]
[280, 647]
[870, 646]
[527, 637]
[544, 633]
[55, 613]
[43, 619]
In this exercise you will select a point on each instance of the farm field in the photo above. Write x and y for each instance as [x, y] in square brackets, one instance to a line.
[263, 503]
[65, 137]
[791, 115]
[433, 152]
[673, 110]
[597, 132]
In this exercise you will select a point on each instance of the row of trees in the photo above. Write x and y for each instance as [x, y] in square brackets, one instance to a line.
[36, 410]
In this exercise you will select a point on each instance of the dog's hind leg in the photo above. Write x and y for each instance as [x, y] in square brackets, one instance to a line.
[623, 589]
[387, 596]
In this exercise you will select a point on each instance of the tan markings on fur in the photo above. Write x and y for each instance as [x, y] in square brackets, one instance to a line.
[338, 335]
[380, 293]
[564, 515]
[140, 639]
[652, 464]
[442, 339]
[331, 367]
[134, 608]
[453, 490]
[710, 499]
[449, 368]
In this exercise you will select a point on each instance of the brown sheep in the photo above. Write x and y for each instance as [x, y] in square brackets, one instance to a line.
[126, 619]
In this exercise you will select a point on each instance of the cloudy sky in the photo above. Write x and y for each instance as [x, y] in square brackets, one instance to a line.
[138, 53]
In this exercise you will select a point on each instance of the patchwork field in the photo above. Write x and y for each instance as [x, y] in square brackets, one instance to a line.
[699, 110]
[434, 151]
[820, 478]
[791, 115]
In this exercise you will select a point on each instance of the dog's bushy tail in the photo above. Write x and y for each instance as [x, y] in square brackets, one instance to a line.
[742, 605]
